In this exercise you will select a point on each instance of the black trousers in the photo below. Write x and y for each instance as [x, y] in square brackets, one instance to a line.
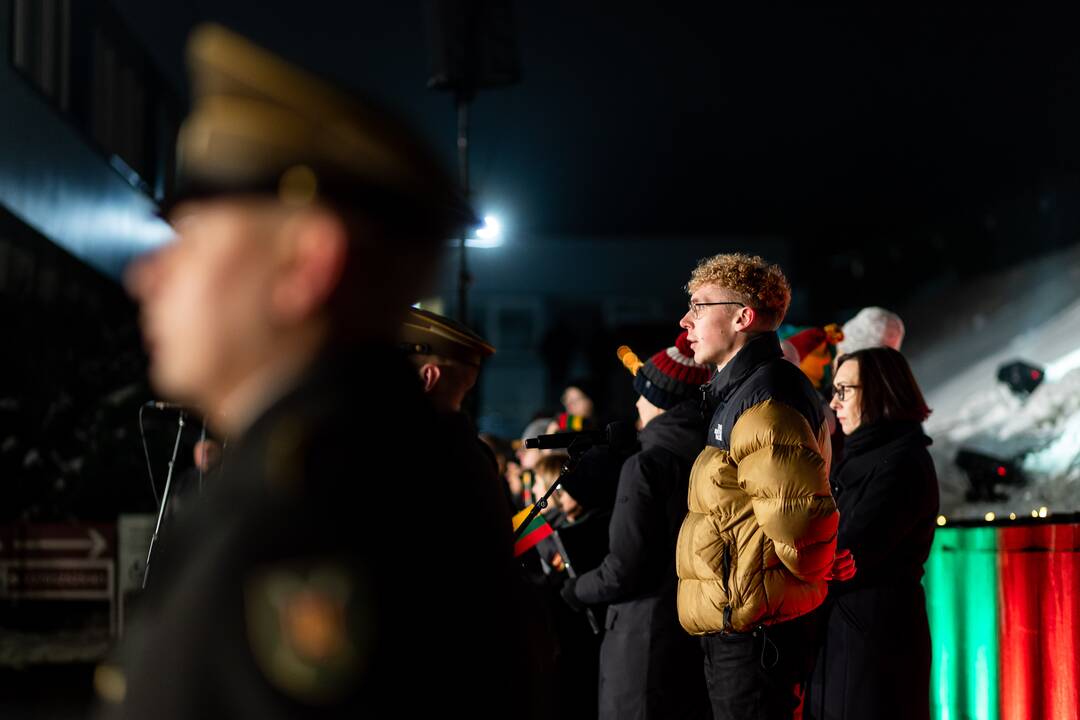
[761, 675]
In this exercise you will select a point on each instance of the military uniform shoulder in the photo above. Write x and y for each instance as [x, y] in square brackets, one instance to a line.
[310, 626]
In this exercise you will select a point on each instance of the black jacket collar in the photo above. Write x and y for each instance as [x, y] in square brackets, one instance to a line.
[761, 349]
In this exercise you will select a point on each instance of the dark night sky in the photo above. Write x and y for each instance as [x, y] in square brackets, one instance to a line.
[930, 141]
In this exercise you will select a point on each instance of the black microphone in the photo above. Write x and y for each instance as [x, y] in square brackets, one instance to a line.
[619, 435]
[162, 405]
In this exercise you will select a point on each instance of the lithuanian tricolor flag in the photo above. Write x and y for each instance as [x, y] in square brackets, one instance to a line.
[571, 423]
[537, 530]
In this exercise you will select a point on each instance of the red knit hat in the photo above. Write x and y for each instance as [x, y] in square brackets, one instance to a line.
[811, 339]
[808, 343]
[670, 376]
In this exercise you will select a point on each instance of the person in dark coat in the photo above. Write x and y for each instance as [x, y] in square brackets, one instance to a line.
[315, 579]
[649, 666]
[875, 662]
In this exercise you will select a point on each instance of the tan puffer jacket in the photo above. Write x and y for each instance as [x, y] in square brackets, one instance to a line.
[760, 535]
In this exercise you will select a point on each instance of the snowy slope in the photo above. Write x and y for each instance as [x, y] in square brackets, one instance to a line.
[1036, 320]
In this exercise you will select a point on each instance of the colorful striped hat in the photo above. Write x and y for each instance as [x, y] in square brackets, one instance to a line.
[670, 376]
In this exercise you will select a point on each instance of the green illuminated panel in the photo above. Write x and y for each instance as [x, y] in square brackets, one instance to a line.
[962, 598]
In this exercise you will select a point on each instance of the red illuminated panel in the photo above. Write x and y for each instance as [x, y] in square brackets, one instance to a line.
[1040, 621]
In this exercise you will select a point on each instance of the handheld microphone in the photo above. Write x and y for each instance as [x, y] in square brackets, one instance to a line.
[618, 435]
[162, 405]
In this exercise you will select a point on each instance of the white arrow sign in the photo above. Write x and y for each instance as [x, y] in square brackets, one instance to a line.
[94, 544]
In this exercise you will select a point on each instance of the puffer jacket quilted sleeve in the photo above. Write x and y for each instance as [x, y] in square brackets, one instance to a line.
[783, 465]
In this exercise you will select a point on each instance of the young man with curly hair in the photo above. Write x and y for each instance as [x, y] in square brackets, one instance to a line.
[757, 546]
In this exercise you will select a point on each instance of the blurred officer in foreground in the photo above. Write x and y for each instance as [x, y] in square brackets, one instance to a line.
[313, 580]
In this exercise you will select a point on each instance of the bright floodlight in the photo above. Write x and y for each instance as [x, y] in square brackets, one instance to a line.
[489, 235]
[491, 228]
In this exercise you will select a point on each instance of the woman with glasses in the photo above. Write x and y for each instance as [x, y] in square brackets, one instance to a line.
[875, 661]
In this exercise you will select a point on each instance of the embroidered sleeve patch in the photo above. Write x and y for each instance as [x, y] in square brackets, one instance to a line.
[309, 627]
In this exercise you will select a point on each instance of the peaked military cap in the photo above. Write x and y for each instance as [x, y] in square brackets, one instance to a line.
[425, 333]
[260, 125]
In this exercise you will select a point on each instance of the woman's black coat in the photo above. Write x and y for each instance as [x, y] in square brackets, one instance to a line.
[875, 661]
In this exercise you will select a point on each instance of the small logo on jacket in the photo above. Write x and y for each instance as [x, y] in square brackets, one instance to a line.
[718, 432]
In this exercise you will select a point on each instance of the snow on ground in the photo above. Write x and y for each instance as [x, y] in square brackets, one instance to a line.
[1037, 320]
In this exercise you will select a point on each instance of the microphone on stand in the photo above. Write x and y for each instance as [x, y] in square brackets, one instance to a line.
[619, 435]
[163, 405]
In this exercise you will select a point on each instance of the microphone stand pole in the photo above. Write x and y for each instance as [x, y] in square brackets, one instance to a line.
[577, 448]
[164, 500]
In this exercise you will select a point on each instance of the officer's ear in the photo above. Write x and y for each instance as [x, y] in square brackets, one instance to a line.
[313, 256]
[429, 375]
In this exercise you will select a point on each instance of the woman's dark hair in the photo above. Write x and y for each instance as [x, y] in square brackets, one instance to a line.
[888, 390]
